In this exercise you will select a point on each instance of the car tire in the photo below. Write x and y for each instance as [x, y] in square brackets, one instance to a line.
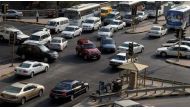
[80, 33]
[40, 93]
[163, 54]
[46, 69]
[23, 100]
[16, 17]
[32, 75]
[1, 38]
[188, 56]
[72, 97]
[46, 59]
[98, 57]
[23, 57]
[142, 50]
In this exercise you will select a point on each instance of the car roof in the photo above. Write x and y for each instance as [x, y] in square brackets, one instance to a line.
[72, 26]
[106, 7]
[13, 29]
[93, 18]
[182, 46]
[121, 54]
[116, 20]
[114, 12]
[84, 41]
[58, 38]
[19, 84]
[70, 81]
[39, 33]
[31, 43]
[59, 19]
[156, 26]
[30, 62]
[127, 42]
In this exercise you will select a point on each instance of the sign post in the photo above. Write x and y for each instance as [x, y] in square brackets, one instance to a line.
[12, 41]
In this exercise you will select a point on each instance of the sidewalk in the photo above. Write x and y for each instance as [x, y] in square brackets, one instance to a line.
[6, 69]
[41, 21]
[181, 62]
[145, 26]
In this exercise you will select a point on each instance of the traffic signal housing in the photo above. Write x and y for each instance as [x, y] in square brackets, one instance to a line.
[6, 7]
[12, 38]
[130, 50]
[183, 33]
[177, 31]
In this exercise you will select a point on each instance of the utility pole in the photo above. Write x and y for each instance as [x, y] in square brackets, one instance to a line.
[57, 8]
[178, 52]
[157, 3]
[133, 13]
[12, 40]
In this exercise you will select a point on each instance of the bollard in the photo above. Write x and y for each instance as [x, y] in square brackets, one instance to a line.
[164, 90]
[154, 91]
[136, 93]
[162, 83]
[146, 92]
[152, 82]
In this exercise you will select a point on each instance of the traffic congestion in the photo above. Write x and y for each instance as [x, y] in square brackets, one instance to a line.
[67, 57]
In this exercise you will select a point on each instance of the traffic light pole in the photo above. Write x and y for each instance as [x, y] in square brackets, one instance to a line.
[178, 52]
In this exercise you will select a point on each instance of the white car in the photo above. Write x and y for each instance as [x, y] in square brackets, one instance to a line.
[12, 13]
[40, 37]
[137, 48]
[71, 31]
[5, 34]
[91, 24]
[120, 59]
[58, 43]
[142, 15]
[157, 31]
[173, 51]
[106, 31]
[170, 42]
[117, 24]
[42, 29]
[30, 68]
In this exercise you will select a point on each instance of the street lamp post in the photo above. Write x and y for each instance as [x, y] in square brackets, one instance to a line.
[157, 3]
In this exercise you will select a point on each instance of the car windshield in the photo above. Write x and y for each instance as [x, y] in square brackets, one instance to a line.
[105, 30]
[61, 86]
[69, 29]
[155, 28]
[56, 41]
[13, 89]
[140, 13]
[119, 57]
[19, 32]
[108, 41]
[89, 21]
[110, 16]
[52, 23]
[128, 16]
[25, 65]
[89, 46]
[44, 48]
[125, 45]
[34, 37]
[114, 23]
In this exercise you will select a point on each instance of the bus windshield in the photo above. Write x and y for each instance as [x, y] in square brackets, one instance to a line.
[174, 16]
[124, 7]
[150, 6]
[72, 14]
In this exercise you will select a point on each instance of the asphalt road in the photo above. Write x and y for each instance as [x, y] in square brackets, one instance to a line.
[69, 66]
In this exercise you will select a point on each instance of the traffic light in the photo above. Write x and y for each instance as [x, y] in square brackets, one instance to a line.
[6, 7]
[183, 33]
[130, 51]
[2, 8]
[12, 38]
[177, 33]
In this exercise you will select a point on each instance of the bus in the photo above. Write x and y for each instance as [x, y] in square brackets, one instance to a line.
[150, 7]
[78, 13]
[178, 17]
[126, 6]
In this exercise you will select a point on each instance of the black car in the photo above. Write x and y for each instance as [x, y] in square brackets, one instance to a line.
[107, 45]
[112, 16]
[36, 51]
[68, 89]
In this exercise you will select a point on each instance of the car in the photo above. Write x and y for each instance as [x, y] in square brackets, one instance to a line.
[30, 68]
[6, 31]
[58, 43]
[128, 19]
[183, 42]
[20, 92]
[157, 31]
[117, 24]
[71, 32]
[41, 37]
[105, 31]
[187, 38]
[120, 59]
[107, 45]
[137, 48]
[42, 29]
[112, 16]
[87, 49]
[173, 51]
[69, 89]
[170, 42]
[12, 13]
[91, 24]
[36, 51]
[142, 15]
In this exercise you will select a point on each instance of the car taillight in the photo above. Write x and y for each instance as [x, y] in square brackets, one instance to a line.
[64, 94]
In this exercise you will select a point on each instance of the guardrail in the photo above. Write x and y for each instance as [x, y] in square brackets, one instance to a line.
[136, 91]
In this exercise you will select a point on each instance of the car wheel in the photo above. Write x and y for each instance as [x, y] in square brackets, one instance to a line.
[72, 97]
[86, 89]
[16, 17]
[142, 50]
[40, 93]
[163, 54]
[188, 56]
[46, 69]
[23, 57]
[23, 100]
[46, 59]
[98, 57]
[32, 75]
[1, 38]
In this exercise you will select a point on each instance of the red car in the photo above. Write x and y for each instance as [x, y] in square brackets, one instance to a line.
[87, 49]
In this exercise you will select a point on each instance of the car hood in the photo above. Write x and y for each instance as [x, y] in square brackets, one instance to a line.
[162, 49]
[104, 33]
[21, 36]
[167, 44]
[67, 32]
[114, 26]
[116, 61]
[52, 52]
[108, 46]
[87, 24]
[121, 47]
[33, 41]
[9, 93]
[94, 50]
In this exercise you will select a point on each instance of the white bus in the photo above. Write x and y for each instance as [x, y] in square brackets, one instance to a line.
[150, 8]
[126, 6]
[77, 14]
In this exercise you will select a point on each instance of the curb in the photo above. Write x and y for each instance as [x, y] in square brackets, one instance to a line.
[6, 74]
[168, 61]
[135, 32]
[27, 22]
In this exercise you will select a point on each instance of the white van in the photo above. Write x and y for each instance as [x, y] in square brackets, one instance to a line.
[91, 24]
[58, 24]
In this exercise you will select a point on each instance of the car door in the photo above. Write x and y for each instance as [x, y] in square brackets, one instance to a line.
[184, 51]
[36, 52]
[35, 68]
[64, 41]
[77, 87]
[136, 48]
[29, 91]
[173, 51]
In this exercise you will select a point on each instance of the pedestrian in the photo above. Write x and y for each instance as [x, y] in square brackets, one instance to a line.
[37, 16]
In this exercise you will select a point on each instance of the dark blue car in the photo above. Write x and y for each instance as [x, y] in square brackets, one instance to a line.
[107, 45]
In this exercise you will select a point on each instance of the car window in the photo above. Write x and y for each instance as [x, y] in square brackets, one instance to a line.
[175, 48]
[24, 65]
[13, 89]
[29, 88]
[35, 65]
[183, 49]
